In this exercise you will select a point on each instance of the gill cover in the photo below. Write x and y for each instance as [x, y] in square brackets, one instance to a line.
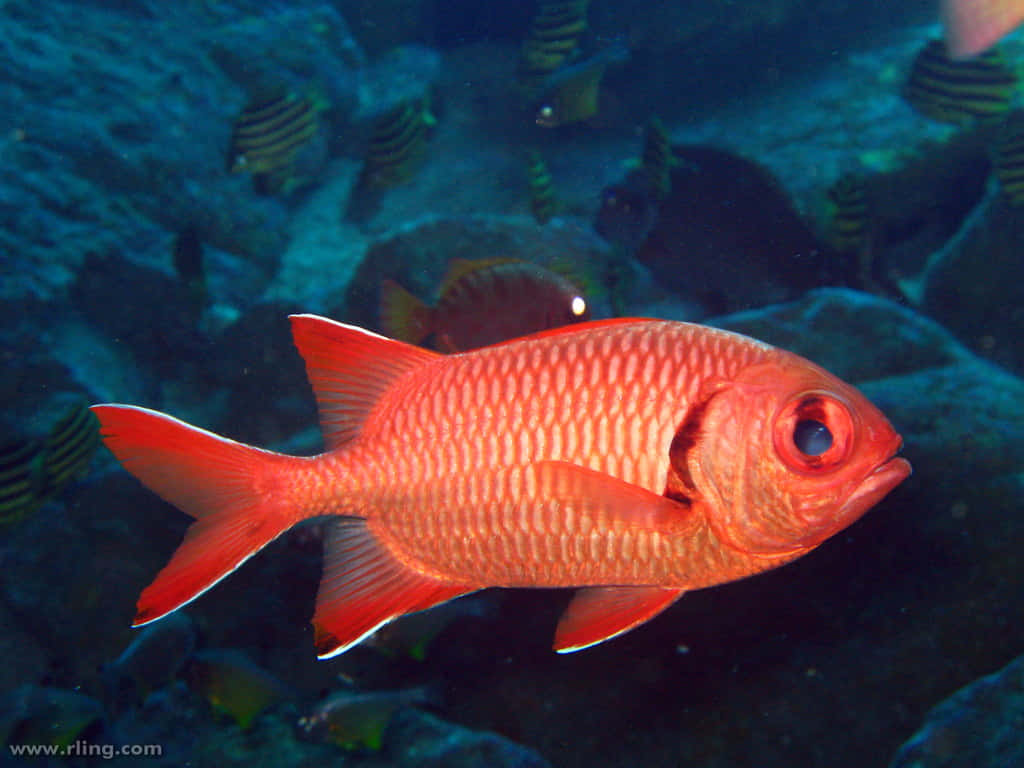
[776, 452]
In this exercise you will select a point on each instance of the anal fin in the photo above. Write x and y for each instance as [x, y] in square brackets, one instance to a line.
[365, 587]
[597, 614]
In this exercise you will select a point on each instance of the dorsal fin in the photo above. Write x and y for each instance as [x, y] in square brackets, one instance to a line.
[350, 368]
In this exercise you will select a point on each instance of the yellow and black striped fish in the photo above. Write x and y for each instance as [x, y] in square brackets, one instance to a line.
[21, 479]
[34, 471]
[849, 222]
[268, 134]
[960, 91]
[69, 448]
[552, 42]
[1009, 163]
[397, 142]
[542, 190]
[656, 158]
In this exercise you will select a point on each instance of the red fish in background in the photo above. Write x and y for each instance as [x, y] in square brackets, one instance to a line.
[483, 302]
[634, 459]
[973, 26]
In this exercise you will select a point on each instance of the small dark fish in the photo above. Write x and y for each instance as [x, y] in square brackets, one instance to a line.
[188, 254]
[412, 635]
[657, 159]
[726, 236]
[69, 448]
[849, 222]
[56, 717]
[629, 210]
[357, 720]
[553, 40]
[397, 143]
[1009, 163]
[570, 94]
[188, 263]
[21, 479]
[234, 684]
[959, 91]
[542, 190]
[268, 134]
[153, 658]
[481, 303]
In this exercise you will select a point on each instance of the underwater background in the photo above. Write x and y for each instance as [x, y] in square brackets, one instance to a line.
[178, 177]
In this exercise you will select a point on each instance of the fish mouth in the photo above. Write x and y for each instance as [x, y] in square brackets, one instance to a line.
[876, 486]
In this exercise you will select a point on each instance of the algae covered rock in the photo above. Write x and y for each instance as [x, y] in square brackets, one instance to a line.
[979, 726]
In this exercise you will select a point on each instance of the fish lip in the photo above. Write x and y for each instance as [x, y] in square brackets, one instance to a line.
[889, 473]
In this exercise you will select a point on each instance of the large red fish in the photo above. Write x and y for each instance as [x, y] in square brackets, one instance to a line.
[636, 459]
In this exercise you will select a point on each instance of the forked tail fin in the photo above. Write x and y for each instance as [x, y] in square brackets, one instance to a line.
[241, 497]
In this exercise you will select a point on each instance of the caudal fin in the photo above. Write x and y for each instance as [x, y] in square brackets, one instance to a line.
[240, 497]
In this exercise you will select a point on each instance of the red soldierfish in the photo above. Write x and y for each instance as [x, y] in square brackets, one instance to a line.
[973, 26]
[636, 459]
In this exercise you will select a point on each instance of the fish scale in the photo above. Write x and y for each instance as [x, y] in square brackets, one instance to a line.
[478, 488]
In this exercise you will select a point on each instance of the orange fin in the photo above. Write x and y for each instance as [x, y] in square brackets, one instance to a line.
[597, 614]
[364, 587]
[402, 315]
[608, 501]
[350, 368]
[973, 26]
[237, 494]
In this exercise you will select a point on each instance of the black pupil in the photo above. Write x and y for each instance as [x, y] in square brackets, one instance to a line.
[811, 437]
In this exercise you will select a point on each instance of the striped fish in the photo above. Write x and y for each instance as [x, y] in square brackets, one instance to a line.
[657, 158]
[570, 93]
[268, 134]
[397, 143]
[553, 40]
[33, 471]
[849, 222]
[69, 448]
[20, 479]
[542, 190]
[959, 91]
[1009, 163]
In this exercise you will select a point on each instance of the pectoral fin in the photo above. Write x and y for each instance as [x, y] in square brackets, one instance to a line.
[597, 614]
[607, 502]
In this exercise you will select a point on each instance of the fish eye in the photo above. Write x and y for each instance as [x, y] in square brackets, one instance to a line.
[578, 306]
[546, 112]
[811, 437]
[814, 432]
